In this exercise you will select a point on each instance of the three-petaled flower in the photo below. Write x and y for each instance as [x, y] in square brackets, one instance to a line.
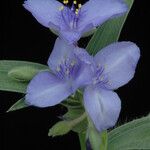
[114, 66]
[73, 68]
[72, 23]
[70, 69]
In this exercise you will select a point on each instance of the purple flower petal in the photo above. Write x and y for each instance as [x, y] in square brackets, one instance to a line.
[103, 107]
[47, 90]
[85, 71]
[45, 11]
[83, 55]
[61, 51]
[119, 61]
[98, 11]
[70, 36]
[87, 30]
[83, 76]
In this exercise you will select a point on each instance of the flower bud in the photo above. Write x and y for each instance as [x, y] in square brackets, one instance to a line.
[60, 128]
[23, 73]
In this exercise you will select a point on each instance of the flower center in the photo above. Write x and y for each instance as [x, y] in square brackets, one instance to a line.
[100, 78]
[67, 68]
[70, 15]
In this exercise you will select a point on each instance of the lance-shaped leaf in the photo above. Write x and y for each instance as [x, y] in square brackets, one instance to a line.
[18, 105]
[132, 135]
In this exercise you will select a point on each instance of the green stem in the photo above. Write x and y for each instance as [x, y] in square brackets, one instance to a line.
[82, 135]
[82, 139]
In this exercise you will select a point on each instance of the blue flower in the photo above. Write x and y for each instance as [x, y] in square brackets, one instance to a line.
[70, 68]
[114, 66]
[73, 68]
[72, 23]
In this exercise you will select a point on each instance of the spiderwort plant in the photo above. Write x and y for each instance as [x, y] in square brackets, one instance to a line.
[88, 83]
[72, 68]
[72, 22]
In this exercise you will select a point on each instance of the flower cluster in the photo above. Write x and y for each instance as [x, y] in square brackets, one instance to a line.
[73, 68]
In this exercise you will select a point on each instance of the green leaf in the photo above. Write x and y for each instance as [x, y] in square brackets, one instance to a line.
[108, 33]
[18, 105]
[9, 84]
[132, 135]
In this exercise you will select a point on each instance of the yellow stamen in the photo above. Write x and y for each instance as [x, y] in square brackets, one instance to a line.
[61, 8]
[75, 2]
[77, 11]
[79, 6]
[65, 1]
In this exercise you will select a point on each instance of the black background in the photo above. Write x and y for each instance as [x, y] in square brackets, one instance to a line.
[22, 38]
